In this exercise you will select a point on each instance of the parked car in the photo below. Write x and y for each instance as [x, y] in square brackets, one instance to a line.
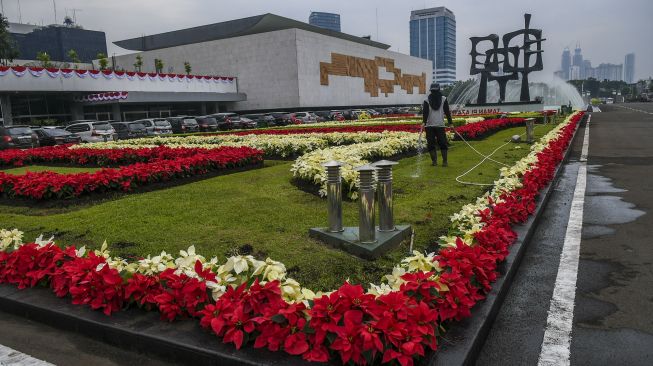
[323, 116]
[280, 118]
[262, 120]
[56, 136]
[156, 126]
[66, 124]
[207, 123]
[17, 137]
[227, 121]
[93, 131]
[247, 122]
[183, 124]
[306, 117]
[129, 130]
[373, 113]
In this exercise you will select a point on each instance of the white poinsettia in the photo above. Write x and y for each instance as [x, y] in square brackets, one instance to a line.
[43, 242]
[10, 238]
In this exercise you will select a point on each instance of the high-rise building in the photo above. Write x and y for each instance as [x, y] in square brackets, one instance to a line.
[587, 69]
[610, 72]
[433, 37]
[325, 20]
[629, 68]
[565, 64]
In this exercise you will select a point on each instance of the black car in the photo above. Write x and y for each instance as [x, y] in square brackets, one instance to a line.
[227, 121]
[56, 136]
[262, 120]
[183, 124]
[17, 137]
[129, 130]
[207, 123]
[281, 118]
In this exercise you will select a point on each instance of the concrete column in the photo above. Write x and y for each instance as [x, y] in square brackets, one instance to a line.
[5, 106]
[115, 112]
[203, 108]
[77, 111]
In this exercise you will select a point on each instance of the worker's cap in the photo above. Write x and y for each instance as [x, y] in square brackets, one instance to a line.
[435, 87]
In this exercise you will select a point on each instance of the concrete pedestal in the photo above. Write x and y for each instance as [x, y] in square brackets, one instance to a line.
[348, 241]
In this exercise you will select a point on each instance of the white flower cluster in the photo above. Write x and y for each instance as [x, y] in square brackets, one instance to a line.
[10, 239]
[309, 167]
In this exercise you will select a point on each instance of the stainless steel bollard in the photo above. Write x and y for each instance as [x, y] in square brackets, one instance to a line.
[366, 208]
[530, 127]
[334, 196]
[384, 192]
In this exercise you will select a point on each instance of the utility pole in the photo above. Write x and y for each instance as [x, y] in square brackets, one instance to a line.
[20, 13]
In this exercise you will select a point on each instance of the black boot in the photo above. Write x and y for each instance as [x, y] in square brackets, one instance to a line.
[444, 157]
[434, 157]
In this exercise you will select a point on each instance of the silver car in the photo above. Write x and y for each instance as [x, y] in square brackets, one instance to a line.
[156, 126]
[306, 117]
[93, 131]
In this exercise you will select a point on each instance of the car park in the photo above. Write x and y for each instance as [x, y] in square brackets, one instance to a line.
[262, 120]
[183, 124]
[207, 123]
[156, 126]
[245, 122]
[93, 131]
[129, 130]
[56, 136]
[17, 137]
[227, 121]
[305, 117]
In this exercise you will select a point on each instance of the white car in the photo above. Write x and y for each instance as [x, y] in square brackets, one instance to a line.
[156, 126]
[93, 131]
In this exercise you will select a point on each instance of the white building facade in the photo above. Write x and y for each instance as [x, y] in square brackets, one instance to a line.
[285, 64]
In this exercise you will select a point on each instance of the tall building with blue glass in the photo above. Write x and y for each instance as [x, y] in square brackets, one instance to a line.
[325, 20]
[433, 37]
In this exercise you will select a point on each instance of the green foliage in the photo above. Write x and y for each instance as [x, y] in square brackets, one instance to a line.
[158, 65]
[102, 60]
[138, 65]
[8, 50]
[222, 214]
[73, 57]
[44, 59]
[187, 68]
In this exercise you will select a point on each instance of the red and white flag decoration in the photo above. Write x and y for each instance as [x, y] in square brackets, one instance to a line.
[103, 97]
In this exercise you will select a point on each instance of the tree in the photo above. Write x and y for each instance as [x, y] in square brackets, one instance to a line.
[72, 55]
[138, 65]
[187, 67]
[158, 65]
[8, 50]
[44, 59]
[102, 60]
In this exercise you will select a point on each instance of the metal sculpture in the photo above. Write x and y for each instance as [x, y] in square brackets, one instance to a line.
[502, 63]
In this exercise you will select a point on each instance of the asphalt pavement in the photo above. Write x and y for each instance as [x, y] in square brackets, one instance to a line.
[612, 314]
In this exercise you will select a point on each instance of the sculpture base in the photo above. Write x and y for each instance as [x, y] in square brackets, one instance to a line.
[347, 240]
[497, 108]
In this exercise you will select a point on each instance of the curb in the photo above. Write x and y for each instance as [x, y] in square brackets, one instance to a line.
[464, 340]
[186, 343]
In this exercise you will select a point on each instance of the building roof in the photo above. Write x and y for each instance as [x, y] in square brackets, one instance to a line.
[21, 28]
[232, 28]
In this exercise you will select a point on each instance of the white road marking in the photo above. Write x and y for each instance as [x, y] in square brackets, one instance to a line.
[557, 335]
[11, 357]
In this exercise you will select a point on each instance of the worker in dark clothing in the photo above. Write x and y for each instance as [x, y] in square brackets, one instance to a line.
[434, 110]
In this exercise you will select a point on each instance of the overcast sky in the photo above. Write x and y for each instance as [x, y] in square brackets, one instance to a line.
[605, 29]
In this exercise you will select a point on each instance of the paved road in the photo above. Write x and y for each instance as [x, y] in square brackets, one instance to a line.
[40, 342]
[613, 303]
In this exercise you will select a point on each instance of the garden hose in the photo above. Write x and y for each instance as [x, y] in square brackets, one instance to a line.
[485, 157]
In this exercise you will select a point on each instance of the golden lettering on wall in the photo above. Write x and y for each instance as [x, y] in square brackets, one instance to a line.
[343, 65]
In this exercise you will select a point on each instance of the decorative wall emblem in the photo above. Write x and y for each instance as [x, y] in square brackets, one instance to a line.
[368, 69]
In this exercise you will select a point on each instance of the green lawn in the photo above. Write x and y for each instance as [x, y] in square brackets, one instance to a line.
[42, 168]
[261, 209]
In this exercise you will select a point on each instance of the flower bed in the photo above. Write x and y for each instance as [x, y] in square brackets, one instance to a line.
[246, 301]
[145, 166]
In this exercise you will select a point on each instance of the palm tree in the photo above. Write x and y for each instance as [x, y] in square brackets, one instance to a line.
[102, 60]
[187, 67]
[44, 59]
[138, 65]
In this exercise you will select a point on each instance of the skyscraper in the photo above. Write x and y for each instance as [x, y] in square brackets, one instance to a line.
[433, 37]
[565, 64]
[629, 68]
[325, 20]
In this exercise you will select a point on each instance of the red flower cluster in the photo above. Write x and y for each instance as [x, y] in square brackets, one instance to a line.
[483, 128]
[356, 327]
[469, 131]
[148, 165]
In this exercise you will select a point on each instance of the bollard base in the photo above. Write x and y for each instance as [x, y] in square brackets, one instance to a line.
[347, 240]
